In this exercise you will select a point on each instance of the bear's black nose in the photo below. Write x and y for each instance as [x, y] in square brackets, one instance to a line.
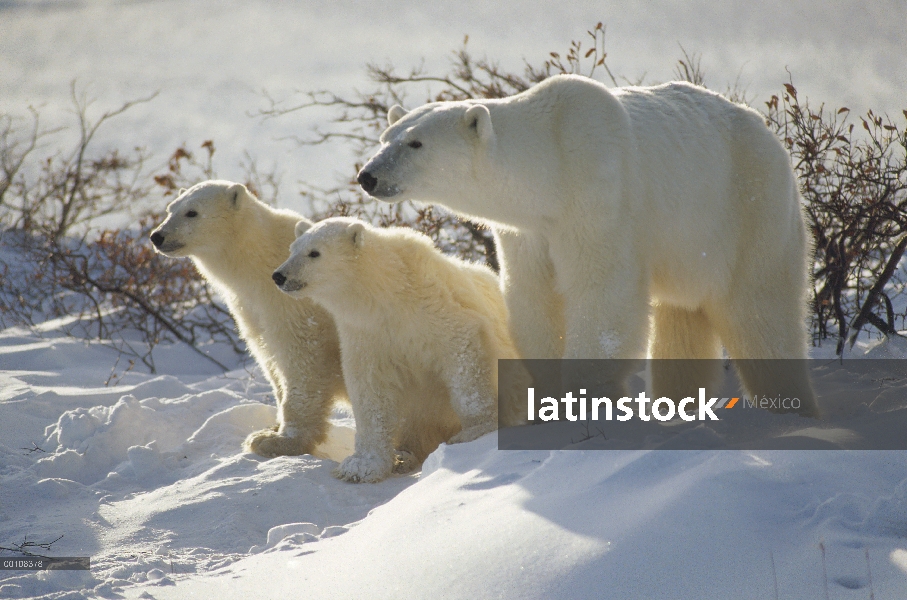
[279, 278]
[157, 239]
[367, 181]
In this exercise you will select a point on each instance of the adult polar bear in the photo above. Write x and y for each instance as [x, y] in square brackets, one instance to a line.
[614, 205]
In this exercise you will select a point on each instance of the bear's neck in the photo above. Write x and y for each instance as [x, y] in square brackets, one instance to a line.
[258, 243]
[373, 289]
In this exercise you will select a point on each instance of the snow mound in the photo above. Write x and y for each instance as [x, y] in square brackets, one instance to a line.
[148, 477]
[575, 524]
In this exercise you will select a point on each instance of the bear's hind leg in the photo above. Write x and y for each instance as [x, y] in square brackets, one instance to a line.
[767, 342]
[685, 352]
[405, 462]
[423, 428]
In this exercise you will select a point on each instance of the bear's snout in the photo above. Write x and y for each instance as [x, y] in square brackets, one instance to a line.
[279, 278]
[157, 239]
[367, 181]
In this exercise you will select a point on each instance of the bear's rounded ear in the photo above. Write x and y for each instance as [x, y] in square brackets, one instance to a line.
[301, 227]
[396, 113]
[236, 193]
[356, 232]
[478, 119]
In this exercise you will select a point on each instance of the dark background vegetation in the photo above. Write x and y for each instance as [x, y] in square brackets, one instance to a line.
[65, 252]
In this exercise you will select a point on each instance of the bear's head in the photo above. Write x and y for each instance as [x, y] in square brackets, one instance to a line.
[430, 153]
[195, 223]
[320, 253]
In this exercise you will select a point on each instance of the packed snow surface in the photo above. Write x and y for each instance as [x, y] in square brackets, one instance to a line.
[146, 476]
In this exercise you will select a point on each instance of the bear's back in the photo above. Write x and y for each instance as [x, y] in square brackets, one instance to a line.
[421, 282]
[678, 113]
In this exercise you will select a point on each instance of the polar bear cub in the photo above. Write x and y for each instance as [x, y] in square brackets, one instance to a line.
[236, 242]
[420, 336]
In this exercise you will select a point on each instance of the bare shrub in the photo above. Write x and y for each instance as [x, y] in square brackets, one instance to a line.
[115, 288]
[27, 548]
[106, 283]
[186, 168]
[689, 68]
[854, 184]
[67, 190]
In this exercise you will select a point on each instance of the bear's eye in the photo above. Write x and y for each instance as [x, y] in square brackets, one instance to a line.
[415, 144]
[314, 254]
[191, 214]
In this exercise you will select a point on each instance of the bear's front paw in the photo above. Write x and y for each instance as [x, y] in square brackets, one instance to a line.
[362, 469]
[269, 443]
[472, 433]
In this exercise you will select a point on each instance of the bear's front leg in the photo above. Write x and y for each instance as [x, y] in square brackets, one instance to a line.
[605, 289]
[270, 442]
[374, 457]
[535, 308]
[470, 379]
[302, 421]
[310, 379]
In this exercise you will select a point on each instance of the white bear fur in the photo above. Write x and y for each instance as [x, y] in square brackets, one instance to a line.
[661, 221]
[420, 336]
[236, 242]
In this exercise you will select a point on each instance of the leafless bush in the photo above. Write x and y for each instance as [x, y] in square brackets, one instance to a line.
[854, 184]
[56, 261]
[689, 68]
[113, 287]
[67, 189]
[18, 143]
[362, 118]
[185, 168]
[26, 548]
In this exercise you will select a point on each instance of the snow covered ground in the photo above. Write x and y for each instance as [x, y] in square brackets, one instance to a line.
[146, 476]
[144, 472]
